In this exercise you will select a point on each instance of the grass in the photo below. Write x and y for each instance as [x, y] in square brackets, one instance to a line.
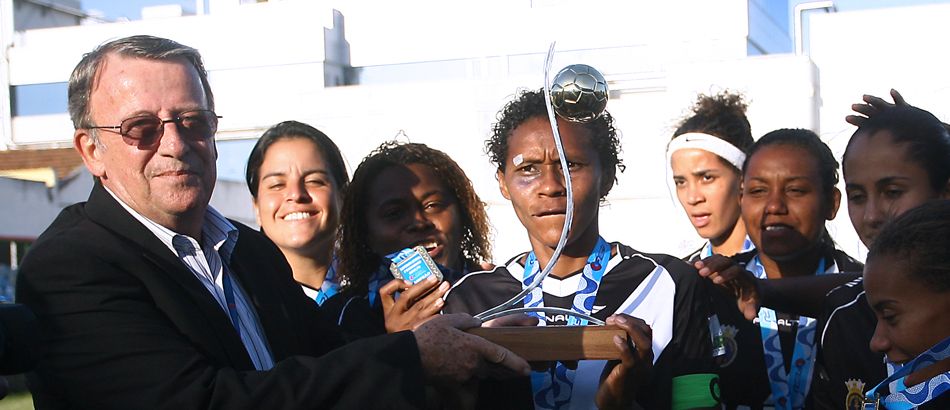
[17, 401]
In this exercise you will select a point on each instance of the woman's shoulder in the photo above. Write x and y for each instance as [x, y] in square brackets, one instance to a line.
[845, 262]
[652, 260]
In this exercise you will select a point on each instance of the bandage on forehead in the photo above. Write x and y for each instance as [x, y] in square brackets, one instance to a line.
[709, 143]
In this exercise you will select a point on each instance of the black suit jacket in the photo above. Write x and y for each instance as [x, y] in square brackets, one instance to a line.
[126, 325]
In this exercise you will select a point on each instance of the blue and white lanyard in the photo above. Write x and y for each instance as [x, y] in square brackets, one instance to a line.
[747, 245]
[553, 388]
[788, 389]
[329, 287]
[379, 278]
[911, 397]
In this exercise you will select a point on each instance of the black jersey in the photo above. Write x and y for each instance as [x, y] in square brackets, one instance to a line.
[847, 368]
[659, 289]
[742, 372]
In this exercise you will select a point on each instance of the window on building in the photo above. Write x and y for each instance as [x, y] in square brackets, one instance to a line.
[38, 99]
[11, 253]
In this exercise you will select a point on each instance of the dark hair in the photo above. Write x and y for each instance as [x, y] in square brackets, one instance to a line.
[720, 115]
[84, 76]
[920, 237]
[530, 104]
[357, 260]
[810, 142]
[928, 143]
[293, 129]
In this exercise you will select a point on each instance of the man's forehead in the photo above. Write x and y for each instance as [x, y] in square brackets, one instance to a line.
[115, 63]
[127, 80]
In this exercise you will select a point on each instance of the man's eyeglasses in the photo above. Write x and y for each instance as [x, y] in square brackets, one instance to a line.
[147, 129]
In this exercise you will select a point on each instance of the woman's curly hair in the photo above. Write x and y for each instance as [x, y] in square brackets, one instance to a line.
[530, 104]
[357, 262]
[721, 115]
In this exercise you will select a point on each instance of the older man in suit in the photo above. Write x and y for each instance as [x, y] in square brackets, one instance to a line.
[149, 298]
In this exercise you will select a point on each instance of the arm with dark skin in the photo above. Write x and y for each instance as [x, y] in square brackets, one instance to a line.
[622, 378]
[802, 295]
[416, 303]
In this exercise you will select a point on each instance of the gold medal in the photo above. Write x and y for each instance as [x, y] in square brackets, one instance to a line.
[855, 399]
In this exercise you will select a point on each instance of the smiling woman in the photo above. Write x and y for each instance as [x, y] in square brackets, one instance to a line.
[296, 175]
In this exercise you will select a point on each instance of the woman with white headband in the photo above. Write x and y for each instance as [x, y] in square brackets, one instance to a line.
[706, 156]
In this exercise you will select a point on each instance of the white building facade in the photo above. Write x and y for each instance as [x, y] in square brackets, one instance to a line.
[438, 72]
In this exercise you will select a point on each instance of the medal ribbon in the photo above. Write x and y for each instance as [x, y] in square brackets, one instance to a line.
[553, 387]
[788, 389]
[329, 286]
[914, 396]
[747, 245]
[379, 278]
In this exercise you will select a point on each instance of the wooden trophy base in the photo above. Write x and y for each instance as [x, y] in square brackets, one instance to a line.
[547, 343]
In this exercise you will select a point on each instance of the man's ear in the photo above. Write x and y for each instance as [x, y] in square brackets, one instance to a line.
[502, 186]
[835, 203]
[90, 152]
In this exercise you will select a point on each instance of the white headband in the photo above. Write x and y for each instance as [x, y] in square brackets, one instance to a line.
[706, 142]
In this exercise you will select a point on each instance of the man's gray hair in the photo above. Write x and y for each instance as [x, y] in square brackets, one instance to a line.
[84, 75]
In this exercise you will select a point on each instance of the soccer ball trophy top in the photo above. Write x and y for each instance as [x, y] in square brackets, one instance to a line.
[579, 93]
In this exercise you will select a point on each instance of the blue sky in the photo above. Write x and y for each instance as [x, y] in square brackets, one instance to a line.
[131, 9]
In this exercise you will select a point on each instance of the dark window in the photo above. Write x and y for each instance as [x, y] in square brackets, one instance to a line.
[38, 99]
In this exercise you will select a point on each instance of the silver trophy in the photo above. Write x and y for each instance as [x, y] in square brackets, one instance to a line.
[579, 93]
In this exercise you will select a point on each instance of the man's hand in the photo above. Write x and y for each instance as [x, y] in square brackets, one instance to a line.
[742, 284]
[414, 306]
[873, 105]
[622, 378]
[451, 356]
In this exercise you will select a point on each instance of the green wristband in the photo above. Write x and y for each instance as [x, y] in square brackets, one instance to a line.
[695, 391]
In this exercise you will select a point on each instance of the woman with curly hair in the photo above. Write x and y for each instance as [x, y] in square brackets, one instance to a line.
[404, 195]
[653, 297]
[706, 155]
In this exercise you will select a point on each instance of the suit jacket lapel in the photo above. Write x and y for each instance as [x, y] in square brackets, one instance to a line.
[266, 300]
[103, 209]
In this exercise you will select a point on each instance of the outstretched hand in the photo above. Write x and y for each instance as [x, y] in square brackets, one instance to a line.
[622, 378]
[873, 105]
[416, 304]
[731, 276]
